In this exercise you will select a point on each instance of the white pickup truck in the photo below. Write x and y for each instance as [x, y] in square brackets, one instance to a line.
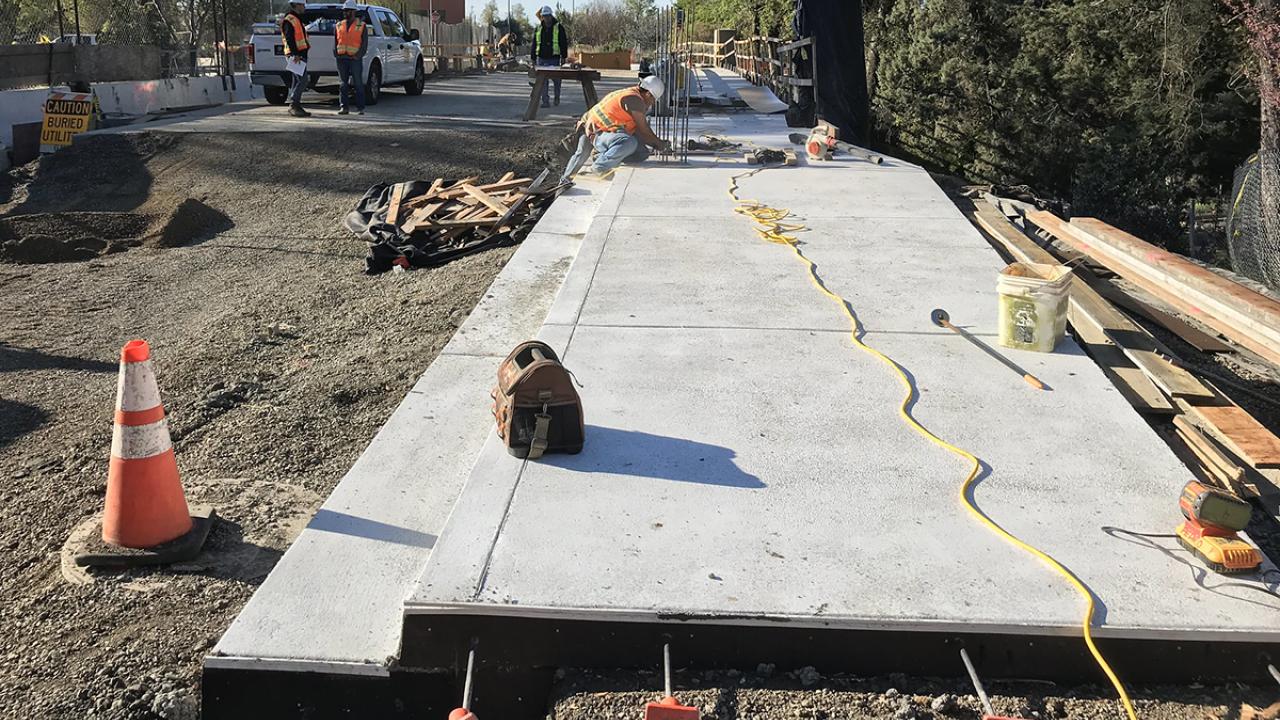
[394, 55]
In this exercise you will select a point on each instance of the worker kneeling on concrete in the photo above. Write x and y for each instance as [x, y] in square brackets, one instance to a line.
[618, 129]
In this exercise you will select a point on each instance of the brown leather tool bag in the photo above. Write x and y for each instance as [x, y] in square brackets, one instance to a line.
[535, 405]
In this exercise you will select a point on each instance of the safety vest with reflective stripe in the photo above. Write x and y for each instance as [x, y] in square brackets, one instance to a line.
[609, 115]
[555, 39]
[348, 38]
[299, 33]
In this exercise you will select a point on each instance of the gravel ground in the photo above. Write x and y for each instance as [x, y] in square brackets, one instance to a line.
[765, 695]
[277, 358]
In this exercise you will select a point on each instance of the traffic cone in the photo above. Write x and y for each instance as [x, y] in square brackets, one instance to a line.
[145, 504]
[146, 520]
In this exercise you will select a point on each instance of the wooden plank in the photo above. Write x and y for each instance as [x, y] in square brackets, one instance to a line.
[1238, 431]
[1088, 308]
[1193, 336]
[420, 215]
[426, 197]
[1222, 468]
[397, 195]
[1128, 378]
[1248, 318]
[485, 198]
[507, 176]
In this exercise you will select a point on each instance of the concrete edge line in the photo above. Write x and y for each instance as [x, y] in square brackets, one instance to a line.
[832, 622]
[332, 667]
[362, 666]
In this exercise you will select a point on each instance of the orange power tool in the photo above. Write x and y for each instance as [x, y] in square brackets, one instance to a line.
[1212, 519]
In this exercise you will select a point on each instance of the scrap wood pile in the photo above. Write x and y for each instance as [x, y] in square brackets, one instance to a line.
[427, 223]
[1220, 441]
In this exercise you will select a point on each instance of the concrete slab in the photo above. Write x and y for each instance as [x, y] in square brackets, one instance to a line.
[333, 602]
[745, 462]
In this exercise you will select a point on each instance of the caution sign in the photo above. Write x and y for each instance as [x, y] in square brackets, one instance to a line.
[66, 115]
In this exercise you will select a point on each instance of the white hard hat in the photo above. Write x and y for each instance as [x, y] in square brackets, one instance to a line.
[546, 10]
[349, 5]
[654, 86]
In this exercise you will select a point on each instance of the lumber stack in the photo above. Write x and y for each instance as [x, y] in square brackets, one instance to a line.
[1244, 316]
[426, 223]
[462, 207]
[1217, 438]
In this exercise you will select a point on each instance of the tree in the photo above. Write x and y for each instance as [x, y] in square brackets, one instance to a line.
[489, 13]
[1261, 21]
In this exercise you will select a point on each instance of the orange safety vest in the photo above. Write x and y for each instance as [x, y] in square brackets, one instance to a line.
[608, 115]
[299, 33]
[348, 37]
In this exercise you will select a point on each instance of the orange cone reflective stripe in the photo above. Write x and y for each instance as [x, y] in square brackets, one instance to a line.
[145, 504]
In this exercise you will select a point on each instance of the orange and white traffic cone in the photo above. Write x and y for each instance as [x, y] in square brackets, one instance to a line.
[146, 519]
[145, 503]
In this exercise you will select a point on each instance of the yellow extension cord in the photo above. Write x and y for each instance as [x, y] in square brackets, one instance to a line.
[770, 227]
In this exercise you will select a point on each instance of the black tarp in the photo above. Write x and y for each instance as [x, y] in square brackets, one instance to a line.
[390, 245]
[838, 63]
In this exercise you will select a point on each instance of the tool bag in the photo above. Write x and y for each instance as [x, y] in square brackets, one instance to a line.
[535, 405]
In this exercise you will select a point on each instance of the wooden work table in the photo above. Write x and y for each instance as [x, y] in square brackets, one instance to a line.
[586, 76]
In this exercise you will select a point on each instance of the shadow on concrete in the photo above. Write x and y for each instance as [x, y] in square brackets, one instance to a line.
[1269, 588]
[16, 358]
[628, 452]
[340, 522]
[18, 419]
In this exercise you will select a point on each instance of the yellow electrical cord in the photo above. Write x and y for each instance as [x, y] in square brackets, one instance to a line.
[770, 227]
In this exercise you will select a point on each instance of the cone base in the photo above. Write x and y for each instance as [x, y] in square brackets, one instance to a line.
[97, 553]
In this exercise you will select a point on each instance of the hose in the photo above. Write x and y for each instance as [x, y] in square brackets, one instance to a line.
[769, 226]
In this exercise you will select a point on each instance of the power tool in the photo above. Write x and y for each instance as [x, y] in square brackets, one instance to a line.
[821, 142]
[1213, 517]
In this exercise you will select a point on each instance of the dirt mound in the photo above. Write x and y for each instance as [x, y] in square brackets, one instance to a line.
[74, 236]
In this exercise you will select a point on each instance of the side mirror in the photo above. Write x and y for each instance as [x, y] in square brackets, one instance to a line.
[414, 34]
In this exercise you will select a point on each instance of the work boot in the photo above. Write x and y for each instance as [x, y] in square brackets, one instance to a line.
[297, 111]
[342, 111]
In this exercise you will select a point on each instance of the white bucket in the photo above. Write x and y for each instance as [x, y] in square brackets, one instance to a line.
[1033, 305]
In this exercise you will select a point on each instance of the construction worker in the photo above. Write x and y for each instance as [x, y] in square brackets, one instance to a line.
[296, 45]
[618, 129]
[550, 45]
[350, 40]
[506, 45]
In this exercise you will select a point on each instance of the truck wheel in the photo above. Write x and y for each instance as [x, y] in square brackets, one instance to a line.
[414, 86]
[373, 86]
[275, 95]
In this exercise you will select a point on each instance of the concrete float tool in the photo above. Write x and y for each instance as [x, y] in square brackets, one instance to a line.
[669, 708]
[464, 712]
[987, 712]
[1213, 517]
[942, 319]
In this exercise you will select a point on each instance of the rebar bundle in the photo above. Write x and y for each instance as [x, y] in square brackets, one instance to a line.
[672, 63]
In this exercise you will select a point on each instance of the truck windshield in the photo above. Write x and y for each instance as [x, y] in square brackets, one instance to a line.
[322, 21]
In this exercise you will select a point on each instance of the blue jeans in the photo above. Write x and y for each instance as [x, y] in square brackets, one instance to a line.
[296, 85]
[611, 150]
[351, 71]
[550, 62]
[615, 148]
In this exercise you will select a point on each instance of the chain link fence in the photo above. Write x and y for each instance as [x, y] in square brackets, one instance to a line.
[1253, 223]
